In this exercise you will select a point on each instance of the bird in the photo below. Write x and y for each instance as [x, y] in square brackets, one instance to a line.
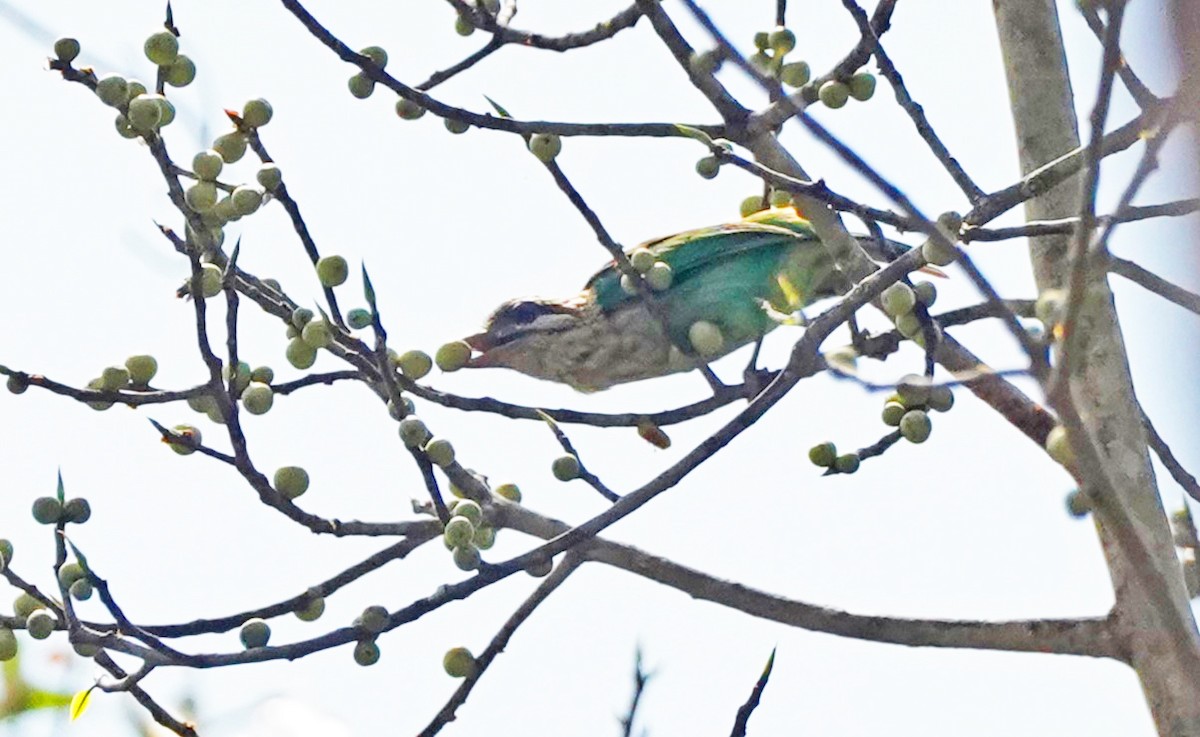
[718, 288]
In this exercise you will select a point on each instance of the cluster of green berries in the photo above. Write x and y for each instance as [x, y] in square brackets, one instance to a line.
[825, 455]
[908, 409]
[136, 374]
[658, 274]
[219, 204]
[39, 623]
[74, 578]
[835, 93]
[899, 302]
[937, 252]
[307, 334]
[757, 203]
[48, 510]
[466, 533]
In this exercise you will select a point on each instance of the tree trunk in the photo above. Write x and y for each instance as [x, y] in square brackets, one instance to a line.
[1152, 611]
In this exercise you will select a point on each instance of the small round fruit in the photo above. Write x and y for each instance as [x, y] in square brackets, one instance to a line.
[659, 277]
[708, 167]
[440, 452]
[189, 439]
[413, 432]
[1057, 446]
[834, 94]
[263, 374]
[409, 110]
[6, 553]
[210, 280]
[782, 40]
[366, 652]
[141, 369]
[17, 384]
[898, 299]
[762, 40]
[847, 463]
[358, 318]
[751, 205]
[1050, 305]
[417, 364]
[823, 454]
[69, 573]
[85, 649]
[545, 146]
[269, 177]
[466, 557]
[642, 260]
[144, 113]
[941, 398]
[460, 663]
[258, 398]
[761, 61]
[24, 605]
[485, 537]
[862, 86]
[565, 468]
[47, 510]
[230, 146]
[456, 126]
[915, 426]
[133, 88]
[317, 334]
[168, 111]
[628, 285]
[77, 510]
[301, 316]
[810, 94]
[8, 640]
[114, 378]
[80, 590]
[112, 90]
[376, 54]
[939, 251]
[511, 492]
[913, 390]
[201, 196]
[40, 624]
[893, 412]
[257, 112]
[471, 510]
[311, 609]
[66, 50]
[361, 86]
[181, 72]
[540, 568]
[795, 74]
[909, 325]
[374, 619]
[459, 531]
[1078, 504]
[291, 481]
[926, 292]
[246, 200]
[452, 356]
[162, 48]
[706, 338]
[780, 198]
[255, 633]
[98, 386]
[332, 271]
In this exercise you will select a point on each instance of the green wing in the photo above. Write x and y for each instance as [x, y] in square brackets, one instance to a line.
[729, 274]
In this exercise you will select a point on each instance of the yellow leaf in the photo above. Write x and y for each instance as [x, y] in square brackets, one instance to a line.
[80, 701]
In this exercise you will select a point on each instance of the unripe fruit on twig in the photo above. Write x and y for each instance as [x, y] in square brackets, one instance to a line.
[162, 48]
[332, 271]
[459, 663]
[181, 72]
[545, 146]
[452, 356]
[255, 633]
[565, 468]
[291, 481]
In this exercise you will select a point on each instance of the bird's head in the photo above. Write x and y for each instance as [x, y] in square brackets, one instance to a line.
[523, 334]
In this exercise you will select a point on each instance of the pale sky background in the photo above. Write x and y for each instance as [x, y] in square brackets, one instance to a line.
[969, 525]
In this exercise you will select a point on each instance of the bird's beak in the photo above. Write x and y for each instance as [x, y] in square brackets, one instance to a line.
[481, 343]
